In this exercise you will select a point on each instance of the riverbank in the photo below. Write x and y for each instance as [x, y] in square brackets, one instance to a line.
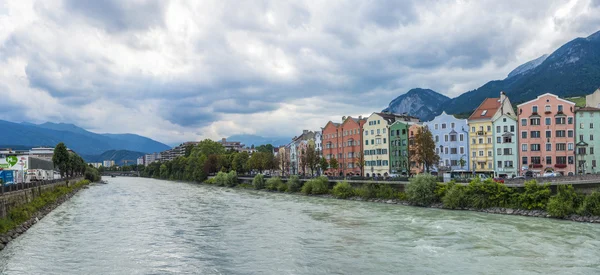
[21, 218]
[486, 197]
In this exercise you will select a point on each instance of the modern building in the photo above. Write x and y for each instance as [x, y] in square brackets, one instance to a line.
[481, 134]
[588, 140]
[96, 164]
[506, 156]
[416, 166]
[108, 163]
[43, 152]
[399, 159]
[140, 160]
[546, 140]
[150, 158]
[593, 99]
[231, 145]
[451, 136]
[376, 142]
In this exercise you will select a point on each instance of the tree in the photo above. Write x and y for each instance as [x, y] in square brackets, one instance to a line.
[333, 163]
[425, 148]
[462, 162]
[360, 162]
[239, 162]
[284, 161]
[61, 158]
[208, 147]
[323, 164]
[266, 148]
[303, 161]
[312, 158]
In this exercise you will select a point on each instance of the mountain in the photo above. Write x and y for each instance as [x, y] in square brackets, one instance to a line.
[422, 103]
[255, 140]
[571, 70]
[119, 156]
[78, 139]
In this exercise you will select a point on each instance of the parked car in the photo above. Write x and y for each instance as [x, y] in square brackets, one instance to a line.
[499, 180]
[549, 174]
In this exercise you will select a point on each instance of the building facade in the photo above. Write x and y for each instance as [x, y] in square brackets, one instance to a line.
[546, 140]
[297, 148]
[351, 147]
[399, 159]
[231, 145]
[587, 140]
[593, 100]
[377, 159]
[505, 146]
[451, 136]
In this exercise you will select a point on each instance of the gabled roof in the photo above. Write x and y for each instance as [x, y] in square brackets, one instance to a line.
[540, 96]
[487, 109]
[588, 109]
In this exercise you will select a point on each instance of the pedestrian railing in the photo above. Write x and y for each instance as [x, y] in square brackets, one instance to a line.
[12, 187]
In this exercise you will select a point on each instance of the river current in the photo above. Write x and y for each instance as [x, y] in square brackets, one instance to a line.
[146, 226]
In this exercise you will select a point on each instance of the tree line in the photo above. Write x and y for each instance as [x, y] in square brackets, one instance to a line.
[70, 164]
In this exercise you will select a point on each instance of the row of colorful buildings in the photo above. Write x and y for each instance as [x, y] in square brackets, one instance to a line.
[544, 135]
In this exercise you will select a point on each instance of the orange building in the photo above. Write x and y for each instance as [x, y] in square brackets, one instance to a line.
[342, 141]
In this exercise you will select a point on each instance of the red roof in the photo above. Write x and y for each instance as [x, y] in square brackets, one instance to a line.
[486, 109]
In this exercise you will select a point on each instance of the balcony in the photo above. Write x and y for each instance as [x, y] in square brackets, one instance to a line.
[481, 133]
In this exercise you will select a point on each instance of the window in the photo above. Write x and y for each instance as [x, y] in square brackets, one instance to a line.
[548, 147]
[524, 160]
[384, 130]
[569, 120]
[548, 134]
[499, 164]
[435, 126]
[474, 154]
[560, 133]
[378, 131]
[507, 151]
[507, 140]
[593, 163]
[570, 146]
[445, 137]
[505, 128]
[591, 150]
[548, 160]
[503, 119]
[366, 142]
[561, 146]
[498, 140]
[561, 160]
[499, 151]
[524, 122]
[473, 129]
[581, 137]
[489, 165]
[437, 138]
[498, 129]
[372, 132]
[489, 141]
[462, 150]
[446, 150]
[460, 137]
[548, 121]
[473, 141]
[535, 134]
[378, 162]
[481, 153]
[489, 153]
[452, 137]
[534, 109]
[392, 133]
[547, 108]
[480, 140]
[570, 160]
[523, 134]
[581, 126]
[591, 125]
[372, 141]
[512, 128]
[443, 125]
[535, 160]
[452, 125]
[508, 164]
[559, 120]
[560, 108]
[591, 137]
[570, 133]
[534, 121]
[489, 128]
[453, 151]
[535, 147]
[366, 132]
[524, 147]
[484, 112]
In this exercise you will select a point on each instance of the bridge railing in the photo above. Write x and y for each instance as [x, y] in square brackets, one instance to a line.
[7, 188]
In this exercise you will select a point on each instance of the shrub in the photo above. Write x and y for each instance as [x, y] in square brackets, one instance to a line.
[282, 187]
[293, 184]
[210, 181]
[535, 196]
[402, 196]
[342, 190]
[90, 174]
[221, 179]
[367, 190]
[563, 203]
[258, 182]
[384, 191]
[316, 186]
[488, 194]
[245, 186]
[442, 188]
[232, 179]
[456, 197]
[273, 183]
[590, 205]
[421, 189]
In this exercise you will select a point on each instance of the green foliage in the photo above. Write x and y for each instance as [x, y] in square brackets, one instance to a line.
[273, 183]
[441, 189]
[60, 158]
[590, 205]
[333, 163]
[342, 190]
[402, 196]
[92, 174]
[535, 196]
[323, 164]
[210, 181]
[421, 189]
[456, 197]
[282, 187]
[293, 184]
[367, 190]
[232, 179]
[384, 191]
[316, 186]
[259, 182]
[18, 215]
[488, 194]
[221, 179]
[245, 186]
[564, 202]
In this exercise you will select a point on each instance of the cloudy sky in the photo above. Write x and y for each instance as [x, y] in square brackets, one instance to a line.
[186, 70]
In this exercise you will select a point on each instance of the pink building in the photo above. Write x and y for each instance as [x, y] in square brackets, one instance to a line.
[547, 135]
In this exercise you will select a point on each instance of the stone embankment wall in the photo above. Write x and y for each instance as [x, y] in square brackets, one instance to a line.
[10, 200]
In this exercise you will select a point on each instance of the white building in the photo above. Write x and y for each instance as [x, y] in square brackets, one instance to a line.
[108, 163]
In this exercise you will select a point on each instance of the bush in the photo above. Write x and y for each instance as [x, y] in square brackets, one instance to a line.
[402, 196]
[282, 187]
[342, 190]
[232, 179]
[316, 186]
[259, 182]
[273, 183]
[384, 191]
[293, 184]
[456, 197]
[221, 179]
[367, 190]
[590, 205]
[563, 203]
[421, 190]
[210, 181]
[90, 174]
[442, 188]
[535, 196]
[488, 194]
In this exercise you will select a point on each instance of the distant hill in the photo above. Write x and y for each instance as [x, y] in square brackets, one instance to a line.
[422, 103]
[78, 139]
[573, 70]
[255, 140]
[119, 156]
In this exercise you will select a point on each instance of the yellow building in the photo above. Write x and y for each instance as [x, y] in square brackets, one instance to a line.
[481, 134]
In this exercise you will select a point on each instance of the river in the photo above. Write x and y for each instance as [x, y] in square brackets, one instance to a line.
[145, 226]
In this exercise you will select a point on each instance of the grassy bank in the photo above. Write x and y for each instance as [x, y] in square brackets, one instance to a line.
[20, 214]
[424, 190]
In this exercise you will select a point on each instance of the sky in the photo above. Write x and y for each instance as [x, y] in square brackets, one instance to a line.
[177, 71]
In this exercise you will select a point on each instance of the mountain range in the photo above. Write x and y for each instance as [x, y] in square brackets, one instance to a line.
[121, 157]
[255, 140]
[85, 143]
[572, 70]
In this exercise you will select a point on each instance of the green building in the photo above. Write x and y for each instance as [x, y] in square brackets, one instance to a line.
[586, 144]
[398, 136]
